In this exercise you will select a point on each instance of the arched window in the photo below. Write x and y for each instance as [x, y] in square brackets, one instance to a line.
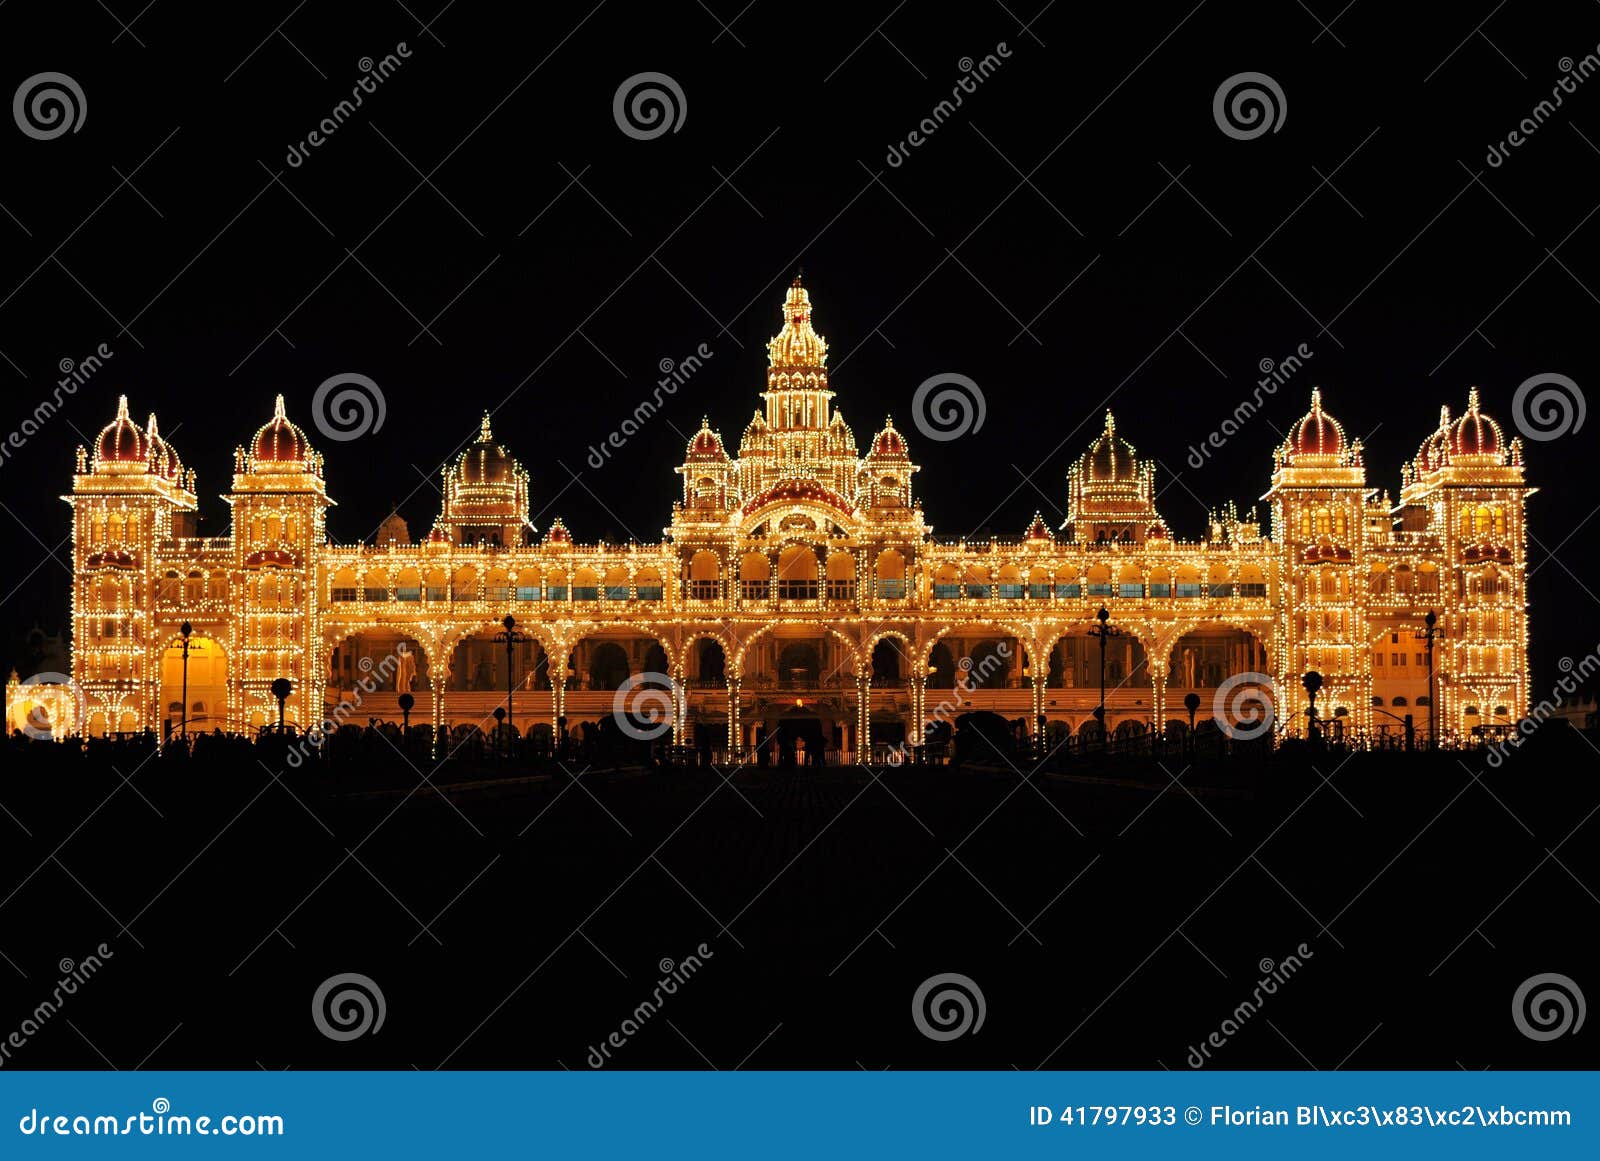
[648, 584]
[705, 572]
[586, 585]
[841, 577]
[891, 575]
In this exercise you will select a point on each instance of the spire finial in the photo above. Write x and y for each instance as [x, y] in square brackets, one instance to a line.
[1472, 399]
[122, 407]
[278, 411]
[1111, 421]
[1316, 399]
[150, 428]
[483, 429]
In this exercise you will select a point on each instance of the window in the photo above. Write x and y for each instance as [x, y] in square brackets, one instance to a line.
[841, 590]
[555, 592]
[1224, 589]
[946, 592]
[616, 592]
[1009, 592]
[753, 590]
[1068, 592]
[1130, 591]
[586, 592]
[892, 590]
[528, 592]
[1253, 590]
[408, 593]
[651, 592]
[1399, 702]
[1158, 589]
[344, 593]
[797, 590]
[981, 591]
[1188, 588]
[1038, 592]
[1100, 590]
[703, 590]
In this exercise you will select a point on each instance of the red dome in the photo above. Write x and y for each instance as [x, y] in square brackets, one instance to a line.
[121, 441]
[707, 443]
[162, 455]
[279, 441]
[1431, 455]
[1317, 433]
[1475, 434]
[888, 442]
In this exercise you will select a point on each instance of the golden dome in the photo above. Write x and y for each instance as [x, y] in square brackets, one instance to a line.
[485, 461]
[888, 443]
[797, 347]
[1110, 458]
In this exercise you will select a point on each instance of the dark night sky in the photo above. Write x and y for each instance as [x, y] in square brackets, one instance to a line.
[558, 261]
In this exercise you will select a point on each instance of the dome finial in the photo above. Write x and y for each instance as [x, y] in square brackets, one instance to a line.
[1472, 399]
[483, 430]
[1111, 421]
[122, 407]
[150, 428]
[278, 411]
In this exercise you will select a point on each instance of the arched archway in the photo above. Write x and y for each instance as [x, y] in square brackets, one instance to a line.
[207, 687]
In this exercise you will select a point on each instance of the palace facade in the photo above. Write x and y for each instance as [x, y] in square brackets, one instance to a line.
[799, 591]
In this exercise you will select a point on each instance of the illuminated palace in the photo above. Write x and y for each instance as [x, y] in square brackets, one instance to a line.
[799, 591]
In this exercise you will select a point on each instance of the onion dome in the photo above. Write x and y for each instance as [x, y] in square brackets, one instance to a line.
[841, 440]
[485, 461]
[888, 444]
[163, 459]
[279, 441]
[797, 348]
[121, 441]
[1110, 457]
[1433, 453]
[1318, 435]
[707, 444]
[1476, 434]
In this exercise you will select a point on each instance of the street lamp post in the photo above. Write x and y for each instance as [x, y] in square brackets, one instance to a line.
[281, 688]
[1191, 702]
[185, 629]
[512, 638]
[1432, 623]
[1102, 631]
[1313, 682]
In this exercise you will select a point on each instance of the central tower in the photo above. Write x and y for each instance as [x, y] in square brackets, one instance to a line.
[797, 394]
